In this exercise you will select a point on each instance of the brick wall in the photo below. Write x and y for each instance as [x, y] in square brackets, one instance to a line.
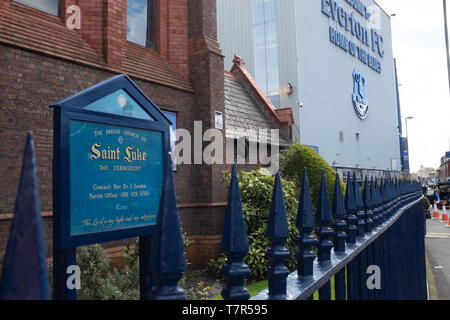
[177, 35]
[31, 82]
[115, 31]
[34, 75]
[92, 19]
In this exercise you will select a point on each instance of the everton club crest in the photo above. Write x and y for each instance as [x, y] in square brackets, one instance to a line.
[359, 96]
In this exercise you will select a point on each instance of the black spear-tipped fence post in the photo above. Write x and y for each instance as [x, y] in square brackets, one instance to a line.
[324, 232]
[406, 191]
[418, 189]
[395, 189]
[350, 206]
[387, 207]
[368, 205]
[362, 257]
[340, 236]
[359, 208]
[277, 232]
[24, 275]
[390, 194]
[168, 261]
[323, 221]
[235, 245]
[339, 215]
[352, 230]
[401, 193]
[378, 188]
[388, 198]
[387, 187]
[394, 196]
[305, 225]
[384, 208]
[379, 201]
[410, 191]
[377, 221]
[375, 204]
[367, 200]
[402, 188]
[385, 242]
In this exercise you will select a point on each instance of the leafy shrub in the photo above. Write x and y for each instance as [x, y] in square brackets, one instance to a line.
[94, 267]
[196, 292]
[214, 266]
[128, 278]
[98, 282]
[256, 191]
[295, 158]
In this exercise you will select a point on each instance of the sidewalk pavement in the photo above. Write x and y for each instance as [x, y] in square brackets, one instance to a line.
[437, 244]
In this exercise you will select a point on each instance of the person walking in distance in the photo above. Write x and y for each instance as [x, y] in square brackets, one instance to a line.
[426, 207]
[436, 196]
[427, 215]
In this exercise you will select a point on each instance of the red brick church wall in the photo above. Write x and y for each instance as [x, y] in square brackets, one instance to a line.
[40, 69]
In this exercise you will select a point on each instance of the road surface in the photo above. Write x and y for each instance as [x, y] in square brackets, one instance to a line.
[437, 243]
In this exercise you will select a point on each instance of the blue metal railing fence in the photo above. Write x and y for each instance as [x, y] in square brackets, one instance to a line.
[371, 243]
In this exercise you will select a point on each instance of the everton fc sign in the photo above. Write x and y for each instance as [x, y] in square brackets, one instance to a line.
[355, 36]
[359, 96]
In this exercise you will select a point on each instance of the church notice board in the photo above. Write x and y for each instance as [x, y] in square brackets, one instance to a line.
[111, 148]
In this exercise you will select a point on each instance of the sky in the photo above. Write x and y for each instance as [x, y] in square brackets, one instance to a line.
[50, 6]
[419, 47]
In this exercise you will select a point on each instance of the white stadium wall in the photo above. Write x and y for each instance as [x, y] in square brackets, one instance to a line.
[321, 73]
[326, 87]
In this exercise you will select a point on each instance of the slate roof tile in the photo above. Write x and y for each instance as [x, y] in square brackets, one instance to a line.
[243, 113]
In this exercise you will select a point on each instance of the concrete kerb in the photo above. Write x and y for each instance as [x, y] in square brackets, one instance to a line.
[431, 284]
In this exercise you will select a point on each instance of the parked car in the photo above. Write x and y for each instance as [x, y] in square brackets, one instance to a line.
[444, 192]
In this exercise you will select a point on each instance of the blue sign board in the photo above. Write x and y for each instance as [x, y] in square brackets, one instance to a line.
[404, 154]
[111, 149]
[115, 190]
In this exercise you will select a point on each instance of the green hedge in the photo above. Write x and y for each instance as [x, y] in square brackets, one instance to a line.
[297, 157]
[256, 192]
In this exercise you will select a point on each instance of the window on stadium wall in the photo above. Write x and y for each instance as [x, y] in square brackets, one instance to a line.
[266, 48]
[48, 6]
[141, 22]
